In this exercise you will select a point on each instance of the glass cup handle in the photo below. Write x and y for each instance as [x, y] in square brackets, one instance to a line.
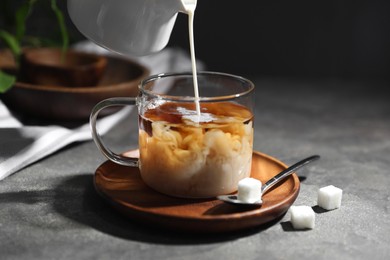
[116, 158]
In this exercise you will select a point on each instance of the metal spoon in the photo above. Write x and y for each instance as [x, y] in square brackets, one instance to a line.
[233, 198]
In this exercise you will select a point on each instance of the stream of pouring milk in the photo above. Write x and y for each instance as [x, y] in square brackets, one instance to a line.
[190, 7]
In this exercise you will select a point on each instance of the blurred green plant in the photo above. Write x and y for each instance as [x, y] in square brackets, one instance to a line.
[15, 36]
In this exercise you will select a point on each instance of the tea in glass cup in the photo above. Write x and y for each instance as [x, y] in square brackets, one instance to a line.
[185, 152]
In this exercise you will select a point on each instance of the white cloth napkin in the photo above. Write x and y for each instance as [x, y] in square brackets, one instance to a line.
[22, 145]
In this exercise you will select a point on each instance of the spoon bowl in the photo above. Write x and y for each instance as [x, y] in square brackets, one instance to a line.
[233, 198]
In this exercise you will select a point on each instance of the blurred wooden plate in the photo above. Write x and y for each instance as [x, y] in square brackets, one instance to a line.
[124, 189]
[120, 79]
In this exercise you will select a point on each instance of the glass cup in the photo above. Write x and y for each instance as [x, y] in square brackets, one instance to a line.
[184, 153]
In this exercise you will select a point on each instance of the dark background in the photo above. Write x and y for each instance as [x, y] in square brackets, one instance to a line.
[280, 38]
[332, 38]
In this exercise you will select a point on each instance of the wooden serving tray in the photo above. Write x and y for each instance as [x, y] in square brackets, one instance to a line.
[124, 189]
[120, 79]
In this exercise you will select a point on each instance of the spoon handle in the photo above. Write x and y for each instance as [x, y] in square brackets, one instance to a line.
[287, 172]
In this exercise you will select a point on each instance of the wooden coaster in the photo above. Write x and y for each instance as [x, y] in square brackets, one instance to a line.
[124, 189]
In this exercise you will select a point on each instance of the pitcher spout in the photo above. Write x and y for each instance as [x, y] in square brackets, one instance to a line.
[130, 27]
[187, 5]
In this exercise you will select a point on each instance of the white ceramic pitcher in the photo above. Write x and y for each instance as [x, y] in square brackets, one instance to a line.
[130, 27]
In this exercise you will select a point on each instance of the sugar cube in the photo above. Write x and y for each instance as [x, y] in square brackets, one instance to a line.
[302, 217]
[249, 190]
[329, 197]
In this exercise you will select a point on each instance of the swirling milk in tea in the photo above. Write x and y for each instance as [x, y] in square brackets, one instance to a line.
[195, 149]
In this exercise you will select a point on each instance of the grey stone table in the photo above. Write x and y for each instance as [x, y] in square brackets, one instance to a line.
[50, 209]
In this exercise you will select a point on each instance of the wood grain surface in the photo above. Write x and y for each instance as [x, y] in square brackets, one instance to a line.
[124, 189]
